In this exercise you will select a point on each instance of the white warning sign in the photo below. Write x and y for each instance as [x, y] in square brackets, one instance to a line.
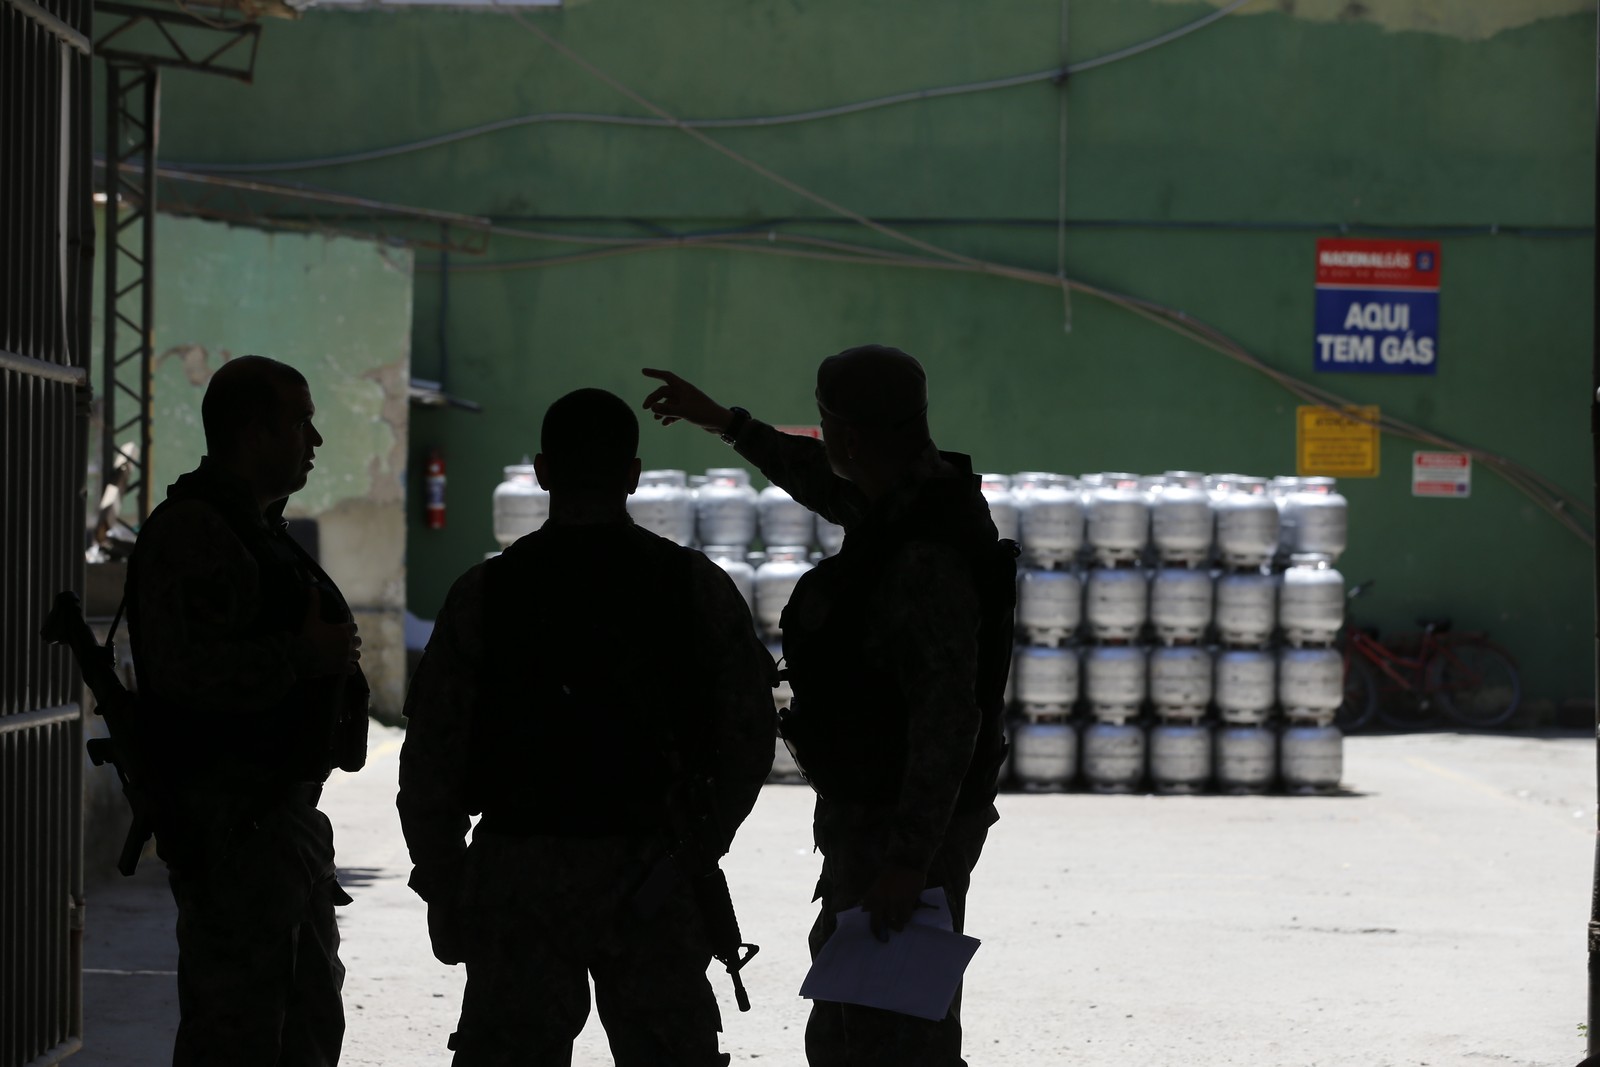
[1441, 474]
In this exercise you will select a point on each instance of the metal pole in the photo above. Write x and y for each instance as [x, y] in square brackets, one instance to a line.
[108, 351]
[1594, 430]
[147, 291]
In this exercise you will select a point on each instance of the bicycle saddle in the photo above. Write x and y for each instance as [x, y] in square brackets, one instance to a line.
[1438, 626]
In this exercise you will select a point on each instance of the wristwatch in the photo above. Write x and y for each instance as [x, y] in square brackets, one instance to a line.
[741, 418]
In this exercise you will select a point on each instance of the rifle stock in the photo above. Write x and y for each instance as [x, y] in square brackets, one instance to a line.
[697, 845]
[127, 748]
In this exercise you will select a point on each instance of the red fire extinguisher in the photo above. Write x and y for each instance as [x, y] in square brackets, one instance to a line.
[435, 490]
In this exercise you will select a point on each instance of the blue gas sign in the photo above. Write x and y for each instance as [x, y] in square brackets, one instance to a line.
[1377, 307]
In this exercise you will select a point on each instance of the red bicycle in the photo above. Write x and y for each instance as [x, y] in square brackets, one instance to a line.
[1405, 684]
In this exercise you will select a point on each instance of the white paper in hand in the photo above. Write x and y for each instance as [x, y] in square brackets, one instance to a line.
[915, 973]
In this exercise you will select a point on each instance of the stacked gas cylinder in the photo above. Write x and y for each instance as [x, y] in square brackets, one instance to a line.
[1192, 616]
[1182, 612]
[720, 513]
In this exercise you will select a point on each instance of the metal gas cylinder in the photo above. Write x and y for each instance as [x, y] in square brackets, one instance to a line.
[830, 536]
[1180, 757]
[733, 563]
[1245, 684]
[1116, 602]
[1311, 602]
[1311, 758]
[520, 505]
[1318, 518]
[1113, 756]
[996, 490]
[1181, 521]
[1049, 605]
[1246, 758]
[1051, 518]
[784, 767]
[1180, 681]
[725, 508]
[1180, 603]
[783, 519]
[1044, 755]
[663, 504]
[1118, 522]
[1279, 489]
[1310, 683]
[775, 580]
[1114, 680]
[1247, 520]
[1045, 678]
[1246, 607]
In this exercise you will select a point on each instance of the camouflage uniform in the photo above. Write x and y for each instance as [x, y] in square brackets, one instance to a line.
[247, 742]
[923, 627]
[534, 916]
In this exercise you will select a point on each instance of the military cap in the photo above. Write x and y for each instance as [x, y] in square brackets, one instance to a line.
[872, 385]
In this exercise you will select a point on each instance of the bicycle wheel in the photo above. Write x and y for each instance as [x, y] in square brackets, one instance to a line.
[1360, 705]
[1476, 683]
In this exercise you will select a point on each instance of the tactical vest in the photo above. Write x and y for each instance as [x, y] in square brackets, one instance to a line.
[306, 733]
[590, 679]
[849, 723]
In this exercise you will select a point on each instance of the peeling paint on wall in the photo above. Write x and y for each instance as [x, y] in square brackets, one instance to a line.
[1470, 20]
[339, 310]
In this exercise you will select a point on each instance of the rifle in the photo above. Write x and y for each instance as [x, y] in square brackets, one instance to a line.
[694, 845]
[128, 747]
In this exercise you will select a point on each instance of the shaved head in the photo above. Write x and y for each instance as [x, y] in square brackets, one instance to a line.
[241, 393]
[589, 441]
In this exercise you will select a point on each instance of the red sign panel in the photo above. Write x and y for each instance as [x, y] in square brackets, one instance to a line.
[801, 431]
[1373, 264]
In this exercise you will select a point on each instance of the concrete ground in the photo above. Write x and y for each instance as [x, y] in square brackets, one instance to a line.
[1435, 915]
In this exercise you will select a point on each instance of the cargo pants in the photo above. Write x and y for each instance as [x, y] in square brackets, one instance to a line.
[848, 1035]
[539, 916]
[259, 975]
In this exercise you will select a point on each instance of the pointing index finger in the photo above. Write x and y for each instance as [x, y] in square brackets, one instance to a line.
[654, 397]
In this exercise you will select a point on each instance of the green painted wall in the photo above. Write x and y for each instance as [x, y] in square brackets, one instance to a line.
[1199, 174]
[337, 309]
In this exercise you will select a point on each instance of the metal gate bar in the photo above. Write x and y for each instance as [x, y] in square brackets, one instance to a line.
[46, 217]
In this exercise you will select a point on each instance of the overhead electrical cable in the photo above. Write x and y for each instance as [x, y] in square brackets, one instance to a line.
[1521, 477]
[1562, 504]
[754, 122]
[1559, 502]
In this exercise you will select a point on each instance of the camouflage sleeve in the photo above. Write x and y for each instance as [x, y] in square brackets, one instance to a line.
[741, 676]
[932, 643]
[434, 814]
[800, 466]
[198, 588]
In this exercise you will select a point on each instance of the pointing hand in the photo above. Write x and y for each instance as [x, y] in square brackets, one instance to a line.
[677, 399]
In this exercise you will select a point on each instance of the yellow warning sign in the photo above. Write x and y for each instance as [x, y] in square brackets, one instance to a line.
[1330, 443]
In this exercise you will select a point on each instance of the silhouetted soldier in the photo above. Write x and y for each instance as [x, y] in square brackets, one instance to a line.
[246, 656]
[570, 685]
[897, 649]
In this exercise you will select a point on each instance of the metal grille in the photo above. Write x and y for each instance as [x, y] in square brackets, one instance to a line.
[45, 258]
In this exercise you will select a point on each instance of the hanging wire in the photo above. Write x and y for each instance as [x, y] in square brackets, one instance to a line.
[754, 122]
[1553, 499]
[1061, 175]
